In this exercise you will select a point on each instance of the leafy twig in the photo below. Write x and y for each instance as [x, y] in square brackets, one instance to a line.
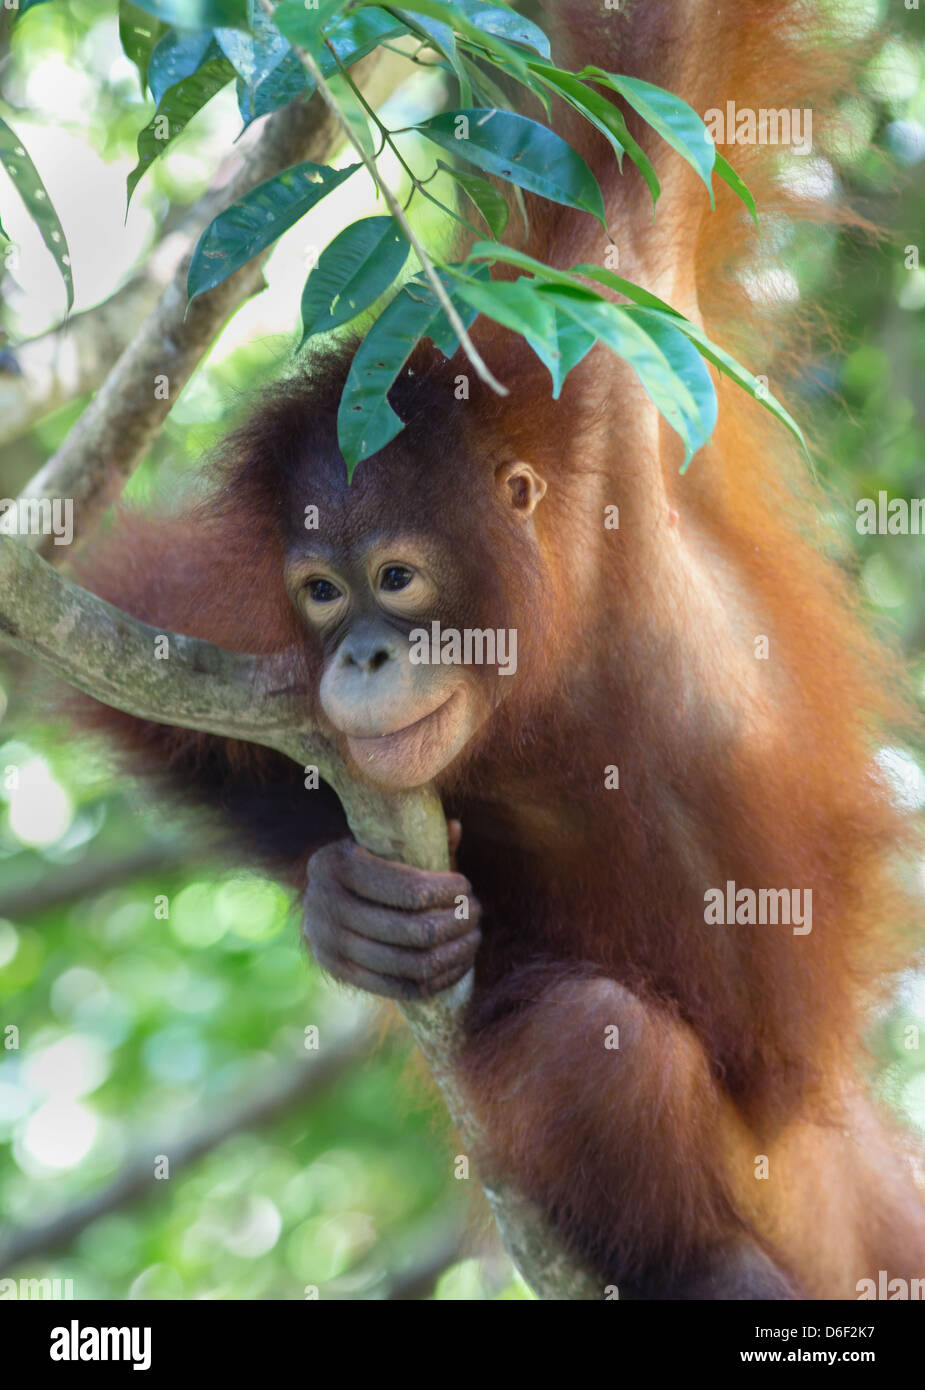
[481, 367]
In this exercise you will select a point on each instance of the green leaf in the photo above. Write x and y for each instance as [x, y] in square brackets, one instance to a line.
[485, 38]
[724, 169]
[352, 272]
[365, 420]
[490, 250]
[440, 331]
[724, 361]
[484, 195]
[495, 251]
[484, 25]
[689, 367]
[25, 5]
[486, 92]
[351, 38]
[506, 54]
[303, 26]
[176, 56]
[516, 305]
[262, 215]
[639, 157]
[286, 82]
[440, 36]
[602, 113]
[666, 364]
[503, 23]
[632, 291]
[138, 34]
[175, 110]
[727, 364]
[558, 341]
[357, 34]
[574, 342]
[718, 356]
[521, 72]
[522, 151]
[31, 189]
[198, 14]
[672, 118]
[256, 55]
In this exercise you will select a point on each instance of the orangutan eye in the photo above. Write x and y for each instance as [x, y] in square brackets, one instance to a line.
[395, 577]
[322, 591]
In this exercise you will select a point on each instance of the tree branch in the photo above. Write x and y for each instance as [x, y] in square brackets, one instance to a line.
[111, 657]
[407, 1268]
[74, 358]
[481, 367]
[94, 875]
[68, 362]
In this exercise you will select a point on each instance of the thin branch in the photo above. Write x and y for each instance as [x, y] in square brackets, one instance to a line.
[111, 656]
[58, 366]
[417, 185]
[416, 1281]
[443, 299]
[404, 1267]
[94, 875]
[73, 359]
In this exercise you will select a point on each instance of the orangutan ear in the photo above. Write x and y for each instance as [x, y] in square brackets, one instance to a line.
[522, 488]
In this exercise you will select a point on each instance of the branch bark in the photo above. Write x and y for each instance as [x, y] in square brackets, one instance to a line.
[95, 875]
[125, 416]
[59, 366]
[75, 358]
[110, 656]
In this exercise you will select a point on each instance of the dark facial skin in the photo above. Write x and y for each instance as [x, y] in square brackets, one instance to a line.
[384, 927]
[403, 722]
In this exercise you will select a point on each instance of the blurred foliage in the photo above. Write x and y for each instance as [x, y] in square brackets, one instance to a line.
[134, 1030]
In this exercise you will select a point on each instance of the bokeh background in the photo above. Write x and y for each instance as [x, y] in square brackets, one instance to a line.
[293, 1168]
